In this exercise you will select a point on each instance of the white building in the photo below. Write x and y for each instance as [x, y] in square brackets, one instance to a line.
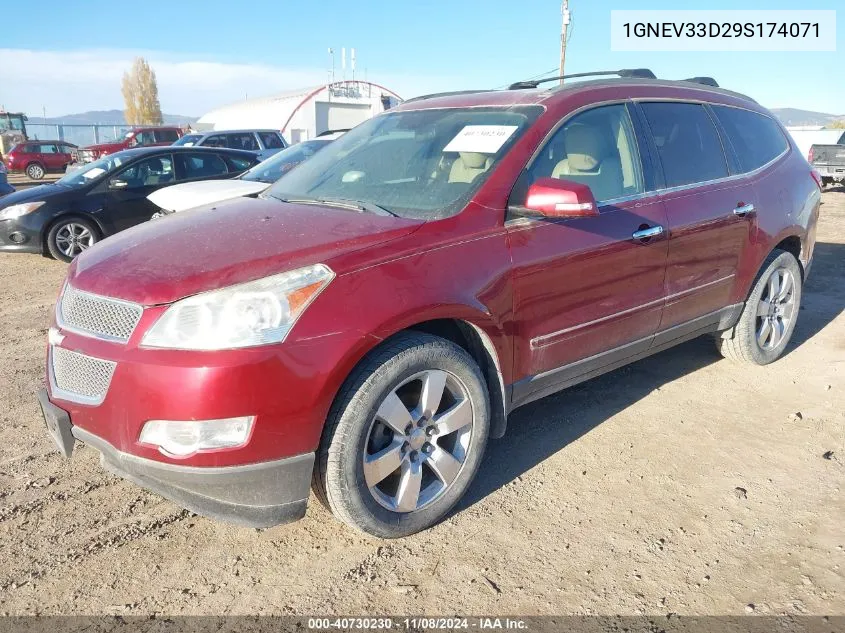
[808, 135]
[303, 114]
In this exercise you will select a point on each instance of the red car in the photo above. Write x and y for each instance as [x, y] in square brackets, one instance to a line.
[137, 137]
[37, 158]
[375, 315]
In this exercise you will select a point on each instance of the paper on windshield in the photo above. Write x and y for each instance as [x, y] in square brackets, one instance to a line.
[93, 173]
[484, 139]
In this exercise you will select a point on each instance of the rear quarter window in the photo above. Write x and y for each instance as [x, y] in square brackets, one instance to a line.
[239, 164]
[756, 138]
[687, 143]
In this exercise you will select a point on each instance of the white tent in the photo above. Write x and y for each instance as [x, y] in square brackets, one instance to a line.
[303, 114]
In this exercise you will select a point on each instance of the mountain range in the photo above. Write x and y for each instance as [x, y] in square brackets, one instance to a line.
[106, 117]
[793, 116]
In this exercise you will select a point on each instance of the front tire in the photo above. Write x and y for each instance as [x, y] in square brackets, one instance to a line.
[35, 171]
[405, 436]
[68, 237]
[768, 319]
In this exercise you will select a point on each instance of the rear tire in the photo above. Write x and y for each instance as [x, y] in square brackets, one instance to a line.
[768, 319]
[35, 171]
[405, 436]
[70, 236]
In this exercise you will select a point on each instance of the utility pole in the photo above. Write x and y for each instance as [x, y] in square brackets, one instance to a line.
[567, 18]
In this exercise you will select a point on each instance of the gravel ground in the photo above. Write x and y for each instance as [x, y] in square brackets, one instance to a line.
[680, 484]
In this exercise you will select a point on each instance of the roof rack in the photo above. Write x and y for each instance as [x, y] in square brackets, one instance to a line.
[642, 73]
[453, 93]
[705, 81]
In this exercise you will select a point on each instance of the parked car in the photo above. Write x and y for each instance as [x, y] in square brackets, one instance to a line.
[37, 158]
[5, 187]
[374, 317]
[264, 142]
[137, 137]
[193, 194]
[104, 197]
[829, 161]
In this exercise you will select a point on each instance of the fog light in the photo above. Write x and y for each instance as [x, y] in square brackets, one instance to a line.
[182, 438]
[17, 238]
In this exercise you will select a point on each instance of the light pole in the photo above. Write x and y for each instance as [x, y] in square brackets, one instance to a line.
[566, 19]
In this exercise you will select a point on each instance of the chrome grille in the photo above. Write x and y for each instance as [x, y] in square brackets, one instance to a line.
[102, 317]
[80, 378]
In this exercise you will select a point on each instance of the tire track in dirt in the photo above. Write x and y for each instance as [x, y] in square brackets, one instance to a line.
[113, 538]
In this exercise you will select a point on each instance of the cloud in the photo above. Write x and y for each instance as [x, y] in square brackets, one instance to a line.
[66, 82]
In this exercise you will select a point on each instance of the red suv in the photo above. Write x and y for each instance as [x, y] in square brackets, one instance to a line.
[374, 317]
[37, 158]
[138, 137]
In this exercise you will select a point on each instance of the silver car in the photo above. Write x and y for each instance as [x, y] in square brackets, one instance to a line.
[265, 143]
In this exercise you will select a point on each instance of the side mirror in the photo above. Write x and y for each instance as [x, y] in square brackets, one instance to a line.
[556, 198]
[116, 183]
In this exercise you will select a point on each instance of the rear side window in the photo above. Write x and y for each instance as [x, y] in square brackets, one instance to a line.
[596, 148]
[687, 143]
[271, 140]
[244, 140]
[201, 165]
[756, 138]
[166, 136]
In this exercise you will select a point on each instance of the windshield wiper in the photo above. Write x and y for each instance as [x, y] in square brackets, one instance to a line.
[343, 203]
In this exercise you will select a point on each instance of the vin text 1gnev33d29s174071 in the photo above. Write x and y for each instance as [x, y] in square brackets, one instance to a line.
[370, 320]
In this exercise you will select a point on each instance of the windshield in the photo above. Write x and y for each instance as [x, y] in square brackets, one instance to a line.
[282, 162]
[92, 171]
[188, 139]
[422, 164]
[11, 122]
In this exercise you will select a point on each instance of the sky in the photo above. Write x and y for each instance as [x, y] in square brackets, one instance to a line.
[69, 57]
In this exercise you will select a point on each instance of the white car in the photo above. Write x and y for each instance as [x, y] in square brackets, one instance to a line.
[252, 182]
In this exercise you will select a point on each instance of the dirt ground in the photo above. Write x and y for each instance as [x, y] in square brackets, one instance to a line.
[681, 484]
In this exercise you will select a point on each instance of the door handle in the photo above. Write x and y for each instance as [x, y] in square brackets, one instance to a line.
[644, 234]
[744, 209]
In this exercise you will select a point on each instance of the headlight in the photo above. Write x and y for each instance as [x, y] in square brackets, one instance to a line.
[255, 313]
[17, 210]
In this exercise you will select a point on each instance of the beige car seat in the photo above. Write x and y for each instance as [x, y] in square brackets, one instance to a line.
[468, 166]
[591, 162]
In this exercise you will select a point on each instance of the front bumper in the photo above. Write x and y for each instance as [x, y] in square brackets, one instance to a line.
[254, 495]
[20, 235]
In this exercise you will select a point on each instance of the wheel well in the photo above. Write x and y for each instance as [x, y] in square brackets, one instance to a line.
[792, 244]
[472, 340]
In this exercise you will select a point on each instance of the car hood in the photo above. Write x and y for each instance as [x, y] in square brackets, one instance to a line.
[193, 194]
[41, 192]
[232, 242]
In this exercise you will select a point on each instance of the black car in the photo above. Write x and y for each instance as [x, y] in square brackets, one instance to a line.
[105, 197]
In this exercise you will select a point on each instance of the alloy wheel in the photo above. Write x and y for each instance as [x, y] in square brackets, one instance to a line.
[35, 172]
[418, 441]
[776, 309]
[73, 238]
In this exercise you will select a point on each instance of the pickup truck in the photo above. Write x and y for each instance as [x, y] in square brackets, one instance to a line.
[137, 137]
[829, 161]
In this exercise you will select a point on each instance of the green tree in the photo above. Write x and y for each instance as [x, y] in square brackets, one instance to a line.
[140, 94]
